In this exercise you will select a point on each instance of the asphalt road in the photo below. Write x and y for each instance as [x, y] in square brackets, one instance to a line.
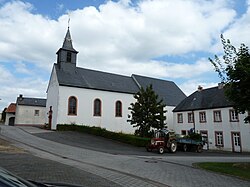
[97, 143]
[120, 167]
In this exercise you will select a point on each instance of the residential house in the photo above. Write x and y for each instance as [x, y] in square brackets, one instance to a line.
[10, 114]
[30, 111]
[210, 113]
[82, 96]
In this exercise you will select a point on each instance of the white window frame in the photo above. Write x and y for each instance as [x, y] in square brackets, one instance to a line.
[219, 138]
[202, 116]
[234, 117]
[217, 116]
[180, 118]
[190, 117]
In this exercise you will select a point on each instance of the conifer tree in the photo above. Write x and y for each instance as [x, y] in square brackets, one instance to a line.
[147, 112]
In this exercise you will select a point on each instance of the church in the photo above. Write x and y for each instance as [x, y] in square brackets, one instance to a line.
[82, 96]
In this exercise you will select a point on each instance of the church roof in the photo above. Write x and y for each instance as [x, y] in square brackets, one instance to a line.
[86, 78]
[31, 101]
[91, 79]
[204, 99]
[167, 90]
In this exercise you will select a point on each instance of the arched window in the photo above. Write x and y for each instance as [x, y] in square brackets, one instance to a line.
[118, 109]
[97, 107]
[72, 106]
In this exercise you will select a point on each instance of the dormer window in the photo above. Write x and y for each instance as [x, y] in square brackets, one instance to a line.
[68, 56]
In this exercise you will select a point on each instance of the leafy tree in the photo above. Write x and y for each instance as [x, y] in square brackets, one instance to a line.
[234, 71]
[3, 115]
[147, 112]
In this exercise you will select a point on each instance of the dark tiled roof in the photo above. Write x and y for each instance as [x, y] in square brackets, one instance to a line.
[11, 108]
[205, 99]
[91, 79]
[31, 101]
[171, 94]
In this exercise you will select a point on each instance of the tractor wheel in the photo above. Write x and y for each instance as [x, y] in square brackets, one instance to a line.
[173, 147]
[199, 148]
[185, 147]
[161, 150]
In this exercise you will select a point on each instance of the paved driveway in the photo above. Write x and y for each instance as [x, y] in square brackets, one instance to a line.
[105, 145]
[128, 170]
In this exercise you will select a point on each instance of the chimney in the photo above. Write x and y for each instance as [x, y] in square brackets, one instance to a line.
[220, 85]
[200, 88]
[20, 97]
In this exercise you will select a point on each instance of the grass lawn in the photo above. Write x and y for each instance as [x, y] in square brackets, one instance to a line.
[238, 169]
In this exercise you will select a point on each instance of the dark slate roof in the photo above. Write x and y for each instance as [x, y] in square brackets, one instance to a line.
[171, 94]
[91, 79]
[31, 101]
[205, 99]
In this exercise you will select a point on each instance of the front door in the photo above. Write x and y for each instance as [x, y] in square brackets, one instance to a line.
[236, 142]
[204, 136]
[11, 121]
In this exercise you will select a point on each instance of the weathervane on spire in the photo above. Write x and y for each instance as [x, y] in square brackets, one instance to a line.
[68, 19]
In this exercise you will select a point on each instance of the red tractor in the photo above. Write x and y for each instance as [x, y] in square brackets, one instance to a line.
[164, 139]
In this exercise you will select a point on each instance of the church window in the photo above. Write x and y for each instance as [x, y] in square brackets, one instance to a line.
[72, 106]
[97, 107]
[68, 56]
[118, 109]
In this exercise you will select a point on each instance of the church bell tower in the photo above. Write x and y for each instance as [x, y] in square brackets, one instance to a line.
[66, 55]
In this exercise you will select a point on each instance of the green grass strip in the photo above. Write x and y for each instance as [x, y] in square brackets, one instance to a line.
[238, 169]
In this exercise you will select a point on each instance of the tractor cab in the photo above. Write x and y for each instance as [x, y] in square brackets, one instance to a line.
[163, 139]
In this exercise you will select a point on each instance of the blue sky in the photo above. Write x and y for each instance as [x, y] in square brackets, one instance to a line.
[165, 39]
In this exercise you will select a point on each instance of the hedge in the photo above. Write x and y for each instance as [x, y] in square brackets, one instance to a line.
[125, 138]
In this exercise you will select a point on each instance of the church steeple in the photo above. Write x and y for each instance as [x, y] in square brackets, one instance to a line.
[67, 44]
[66, 55]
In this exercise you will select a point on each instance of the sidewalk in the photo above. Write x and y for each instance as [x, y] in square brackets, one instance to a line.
[34, 168]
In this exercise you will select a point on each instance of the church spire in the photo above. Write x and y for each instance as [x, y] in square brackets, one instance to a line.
[67, 44]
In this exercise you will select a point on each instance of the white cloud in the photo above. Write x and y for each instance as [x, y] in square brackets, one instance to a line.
[239, 31]
[190, 86]
[118, 37]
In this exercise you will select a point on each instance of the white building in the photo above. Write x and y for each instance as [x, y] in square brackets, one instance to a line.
[88, 97]
[209, 112]
[30, 111]
[10, 114]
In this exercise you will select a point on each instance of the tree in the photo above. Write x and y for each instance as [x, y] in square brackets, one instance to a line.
[234, 72]
[147, 112]
[3, 115]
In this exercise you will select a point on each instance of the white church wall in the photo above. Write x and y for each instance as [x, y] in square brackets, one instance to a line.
[52, 98]
[85, 102]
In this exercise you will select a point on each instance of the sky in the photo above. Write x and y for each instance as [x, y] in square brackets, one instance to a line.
[166, 39]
